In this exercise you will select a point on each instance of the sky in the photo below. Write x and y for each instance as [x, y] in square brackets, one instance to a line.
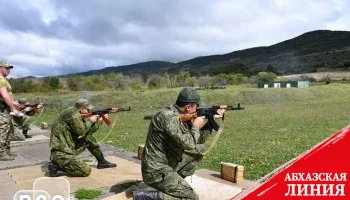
[56, 37]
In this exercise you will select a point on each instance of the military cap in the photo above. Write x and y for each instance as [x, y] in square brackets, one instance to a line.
[4, 63]
[23, 101]
[84, 104]
[189, 95]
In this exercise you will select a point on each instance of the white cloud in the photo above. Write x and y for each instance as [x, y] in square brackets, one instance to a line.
[58, 37]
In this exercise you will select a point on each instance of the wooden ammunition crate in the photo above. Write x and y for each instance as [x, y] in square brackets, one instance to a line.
[44, 125]
[140, 151]
[232, 172]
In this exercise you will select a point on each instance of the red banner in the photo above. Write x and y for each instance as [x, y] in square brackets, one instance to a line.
[320, 173]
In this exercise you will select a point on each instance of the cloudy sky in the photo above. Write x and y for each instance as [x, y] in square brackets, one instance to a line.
[54, 37]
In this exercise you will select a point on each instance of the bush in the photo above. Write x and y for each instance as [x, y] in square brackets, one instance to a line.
[266, 77]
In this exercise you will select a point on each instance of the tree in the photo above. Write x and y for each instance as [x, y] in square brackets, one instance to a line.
[183, 78]
[266, 77]
[233, 79]
[156, 82]
[54, 83]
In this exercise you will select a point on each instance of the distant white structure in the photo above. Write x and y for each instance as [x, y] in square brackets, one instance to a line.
[284, 84]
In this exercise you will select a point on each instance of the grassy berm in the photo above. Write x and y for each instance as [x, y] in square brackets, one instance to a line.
[276, 125]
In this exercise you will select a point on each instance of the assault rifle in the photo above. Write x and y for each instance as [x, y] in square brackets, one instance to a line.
[207, 112]
[102, 113]
[35, 106]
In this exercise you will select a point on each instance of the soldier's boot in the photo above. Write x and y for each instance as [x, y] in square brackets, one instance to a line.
[103, 163]
[53, 169]
[6, 157]
[11, 153]
[25, 133]
[146, 195]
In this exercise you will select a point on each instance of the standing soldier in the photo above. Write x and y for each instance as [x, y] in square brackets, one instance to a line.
[173, 149]
[7, 105]
[71, 135]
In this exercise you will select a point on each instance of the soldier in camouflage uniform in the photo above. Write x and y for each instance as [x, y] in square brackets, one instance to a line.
[173, 149]
[7, 105]
[23, 123]
[71, 135]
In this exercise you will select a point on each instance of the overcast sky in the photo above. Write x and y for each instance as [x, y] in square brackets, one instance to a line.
[45, 38]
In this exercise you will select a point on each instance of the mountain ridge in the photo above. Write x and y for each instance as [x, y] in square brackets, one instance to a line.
[314, 51]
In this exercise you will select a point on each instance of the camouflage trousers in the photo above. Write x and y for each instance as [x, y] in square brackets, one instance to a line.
[172, 184]
[20, 123]
[6, 132]
[71, 164]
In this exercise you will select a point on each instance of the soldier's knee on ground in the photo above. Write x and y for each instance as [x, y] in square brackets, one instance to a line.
[77, 168]
[81, 172]
[86, 173]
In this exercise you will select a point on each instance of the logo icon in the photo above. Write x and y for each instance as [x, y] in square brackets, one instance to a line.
[46, 188]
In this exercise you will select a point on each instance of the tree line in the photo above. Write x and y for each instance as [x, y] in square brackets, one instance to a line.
[113, 81]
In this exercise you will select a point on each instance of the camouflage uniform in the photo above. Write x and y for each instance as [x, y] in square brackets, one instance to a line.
[6, 121]
[22, 123]
[70, 136]
[172, 151]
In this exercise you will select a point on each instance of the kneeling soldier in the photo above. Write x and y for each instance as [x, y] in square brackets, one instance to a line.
[23, 122]
[71, 135]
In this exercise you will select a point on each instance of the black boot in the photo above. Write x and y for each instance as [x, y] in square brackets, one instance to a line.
[53, 169]
[146, 195]
[25, 133]
[103, 163]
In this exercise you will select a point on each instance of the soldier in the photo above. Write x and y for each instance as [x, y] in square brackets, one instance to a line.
[71, 135]
[7, 106]
[173, 149]
[23, 122]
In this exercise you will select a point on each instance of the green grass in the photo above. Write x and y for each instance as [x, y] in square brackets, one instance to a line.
[276, 125]
[87, 194]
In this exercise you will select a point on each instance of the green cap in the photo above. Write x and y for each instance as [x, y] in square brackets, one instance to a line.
[4, 63]
[23, 101]
[189, 95]
[84, 104]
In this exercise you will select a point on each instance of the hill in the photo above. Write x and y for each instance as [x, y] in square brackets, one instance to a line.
[139, 68]
[315, 51]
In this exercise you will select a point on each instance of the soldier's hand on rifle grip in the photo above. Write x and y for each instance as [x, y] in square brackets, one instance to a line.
[199, 122]
[94, 118]
[105, 116]
[21, 107]
[220, 113]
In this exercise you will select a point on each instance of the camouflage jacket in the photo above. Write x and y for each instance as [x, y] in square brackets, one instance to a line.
[70, 132]
[168, 138]
[6, 84]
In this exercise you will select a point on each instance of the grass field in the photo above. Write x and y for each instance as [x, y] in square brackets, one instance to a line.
[276, 125]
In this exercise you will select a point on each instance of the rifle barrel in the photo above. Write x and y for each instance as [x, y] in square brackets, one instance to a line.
[124, 109]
